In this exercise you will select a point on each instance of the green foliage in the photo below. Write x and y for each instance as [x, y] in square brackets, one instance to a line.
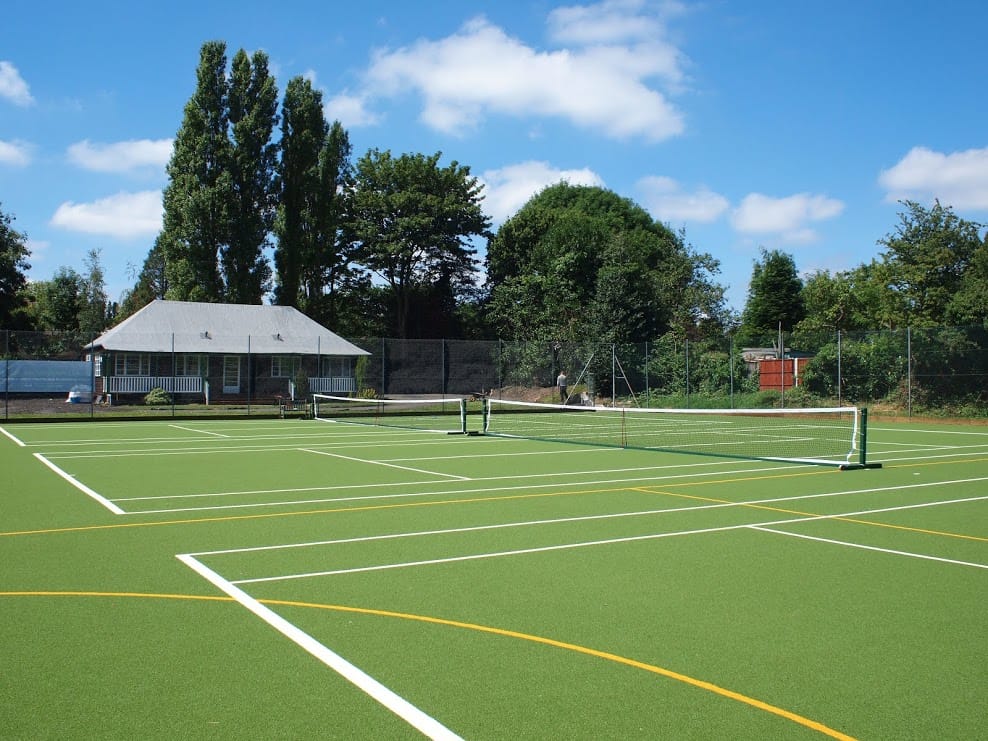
[312, 259]
[301, 381]
[252, 101]
[13, 273]
[411, 222]
[582, 264]
[871, 367]
[199, 195]
[157, 397]
[774, 298]
[928, 256]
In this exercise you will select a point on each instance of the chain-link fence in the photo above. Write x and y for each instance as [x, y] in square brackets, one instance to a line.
[909, 371]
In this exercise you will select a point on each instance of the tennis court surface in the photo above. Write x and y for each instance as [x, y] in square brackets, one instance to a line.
[311, 579]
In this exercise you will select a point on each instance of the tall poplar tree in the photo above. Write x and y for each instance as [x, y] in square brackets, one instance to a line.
[311, 259]
[198, 199]
[253, 102]
[303, 131]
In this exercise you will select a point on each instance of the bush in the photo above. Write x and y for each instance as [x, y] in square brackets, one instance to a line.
[157, 397]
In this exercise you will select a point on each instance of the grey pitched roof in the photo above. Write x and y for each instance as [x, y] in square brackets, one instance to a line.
[191, 327]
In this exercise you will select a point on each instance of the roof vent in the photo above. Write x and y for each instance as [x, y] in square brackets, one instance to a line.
[277, 336]
[204, 335]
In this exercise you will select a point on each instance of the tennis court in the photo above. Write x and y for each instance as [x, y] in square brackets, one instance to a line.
[312, 579]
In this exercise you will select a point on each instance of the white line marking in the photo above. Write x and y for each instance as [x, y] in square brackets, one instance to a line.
[869, 547]
[19, 442]
[559, 474]
[398, 705]
[606, 541]
[198, 432]
[389, 465]
[80, 486]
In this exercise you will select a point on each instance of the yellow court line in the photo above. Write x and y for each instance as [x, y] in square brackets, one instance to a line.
[607, 656]
[853, 520]
[334, 510]
[331, 510]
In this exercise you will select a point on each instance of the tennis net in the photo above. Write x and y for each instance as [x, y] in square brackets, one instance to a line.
[434, 415]
[830, 436]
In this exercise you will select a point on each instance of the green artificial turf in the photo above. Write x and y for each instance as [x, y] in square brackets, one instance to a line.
[509, 589]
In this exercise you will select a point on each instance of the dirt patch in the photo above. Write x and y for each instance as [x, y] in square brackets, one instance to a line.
[525, 393]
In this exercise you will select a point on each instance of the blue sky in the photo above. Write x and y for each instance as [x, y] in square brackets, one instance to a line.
[748, 123]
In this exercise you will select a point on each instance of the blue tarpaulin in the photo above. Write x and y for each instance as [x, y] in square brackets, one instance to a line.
[45, 376]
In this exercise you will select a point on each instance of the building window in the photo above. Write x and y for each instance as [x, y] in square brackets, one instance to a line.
[283, 366]
[336, 367]
[131, 364]
[188, 365]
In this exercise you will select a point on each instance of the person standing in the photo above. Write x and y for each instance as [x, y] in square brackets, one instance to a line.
[561, 383]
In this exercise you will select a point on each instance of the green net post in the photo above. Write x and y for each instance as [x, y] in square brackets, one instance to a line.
[863, 454]
[863, 445]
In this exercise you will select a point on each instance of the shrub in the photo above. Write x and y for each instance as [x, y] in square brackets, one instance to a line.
[158, 397]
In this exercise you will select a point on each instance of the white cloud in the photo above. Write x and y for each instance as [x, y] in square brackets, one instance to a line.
[123, 156]
[786, 217]
[958, 179]
[509, 188]
[13, 87]
[667, 201]
[350, 110]
[15, 153]
[123, 216]
[480, 70]
[608, 22]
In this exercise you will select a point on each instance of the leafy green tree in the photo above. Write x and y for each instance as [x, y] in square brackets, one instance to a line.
[303, 129]
[411, 223]
[774, 298]
[94, 304]
[928, 256]
[59, 300]
[970, 304]
[312, 257]
[252, 101]
[13, 274]
[330, 280]
[582, 263]
[198, 200]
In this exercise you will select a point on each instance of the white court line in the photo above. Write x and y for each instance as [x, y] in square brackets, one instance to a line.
[80, 486]
[17, 441]
[389, 465]
[869, 547]
[433, 492]
[398, 705]
[606, 541]
[558, 474]
[199, 432]
[557, 520]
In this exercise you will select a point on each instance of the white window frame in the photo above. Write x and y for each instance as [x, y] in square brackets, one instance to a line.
[336, 366]
[189, 365]
[285, 366]
[131, 364]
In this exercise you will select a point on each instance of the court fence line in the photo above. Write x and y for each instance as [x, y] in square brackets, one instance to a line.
[912, 370]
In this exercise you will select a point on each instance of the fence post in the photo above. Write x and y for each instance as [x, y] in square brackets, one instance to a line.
[839, 385]
[687, 353]
[909, 372]
[730, 357]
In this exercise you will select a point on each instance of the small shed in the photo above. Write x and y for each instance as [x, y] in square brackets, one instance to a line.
[779, 374]
[222, 353]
